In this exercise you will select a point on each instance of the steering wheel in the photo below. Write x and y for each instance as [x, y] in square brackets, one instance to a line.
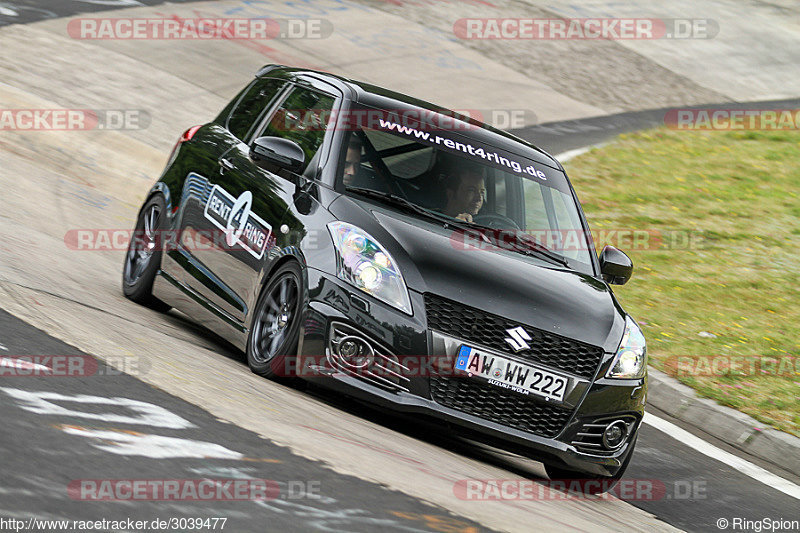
[496, 221]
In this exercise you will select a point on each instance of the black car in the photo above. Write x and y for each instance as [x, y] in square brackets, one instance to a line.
[402, 254]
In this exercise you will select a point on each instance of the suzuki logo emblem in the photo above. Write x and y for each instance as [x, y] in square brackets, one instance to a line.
[517, 339]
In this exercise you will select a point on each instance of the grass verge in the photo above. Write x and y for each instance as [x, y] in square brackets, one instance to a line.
[712, 223]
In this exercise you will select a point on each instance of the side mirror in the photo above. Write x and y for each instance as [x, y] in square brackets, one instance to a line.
[277, 152]
[615, 266]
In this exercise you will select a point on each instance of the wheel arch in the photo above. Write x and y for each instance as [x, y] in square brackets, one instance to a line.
[159, 188]
[262, 286]
[268, 274]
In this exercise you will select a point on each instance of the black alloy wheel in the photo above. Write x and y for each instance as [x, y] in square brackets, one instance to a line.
[275, 329]
[143, 258]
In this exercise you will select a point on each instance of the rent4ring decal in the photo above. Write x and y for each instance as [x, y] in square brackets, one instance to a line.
[235, 217]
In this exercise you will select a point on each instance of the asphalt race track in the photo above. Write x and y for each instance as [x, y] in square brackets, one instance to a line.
[25, 11]
[42, 452]
[159, 398]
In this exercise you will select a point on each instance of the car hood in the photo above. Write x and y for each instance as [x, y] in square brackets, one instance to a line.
[434, 260]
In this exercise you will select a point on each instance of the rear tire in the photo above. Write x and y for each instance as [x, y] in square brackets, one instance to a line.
[606, 483]
[143, 258]
[275, 330]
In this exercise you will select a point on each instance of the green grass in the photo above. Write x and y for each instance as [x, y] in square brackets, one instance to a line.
[727, 208]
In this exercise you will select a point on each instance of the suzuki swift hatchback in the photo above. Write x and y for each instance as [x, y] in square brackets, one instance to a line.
[402, 254]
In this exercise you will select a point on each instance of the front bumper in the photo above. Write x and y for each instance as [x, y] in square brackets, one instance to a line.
[333, 301]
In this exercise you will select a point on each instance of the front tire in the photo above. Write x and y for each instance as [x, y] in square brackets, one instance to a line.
[143, 258]
[275, 330]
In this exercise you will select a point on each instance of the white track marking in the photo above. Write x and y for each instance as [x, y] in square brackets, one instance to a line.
[10, 362]
[3, 347]
[745, 467]
[569, 154]
[145, 413]
[153, 446]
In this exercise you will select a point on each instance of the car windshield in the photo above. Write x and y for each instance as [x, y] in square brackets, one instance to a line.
[512, 202]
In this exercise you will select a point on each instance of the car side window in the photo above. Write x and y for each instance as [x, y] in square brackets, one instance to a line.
[303, 118]
[252, 103]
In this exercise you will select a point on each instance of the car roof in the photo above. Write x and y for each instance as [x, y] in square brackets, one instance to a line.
[382, 98]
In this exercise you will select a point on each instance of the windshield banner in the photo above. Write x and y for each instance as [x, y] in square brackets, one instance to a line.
[469, 148]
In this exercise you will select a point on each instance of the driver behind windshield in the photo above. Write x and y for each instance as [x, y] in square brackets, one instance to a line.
[465, 190]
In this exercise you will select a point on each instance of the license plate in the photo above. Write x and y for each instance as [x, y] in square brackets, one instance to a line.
[511, 375]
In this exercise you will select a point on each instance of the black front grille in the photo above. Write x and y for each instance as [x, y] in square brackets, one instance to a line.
[499, 405]
[489, 330]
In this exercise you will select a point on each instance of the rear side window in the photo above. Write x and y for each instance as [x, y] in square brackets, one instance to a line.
[255, 99]
[303, 118]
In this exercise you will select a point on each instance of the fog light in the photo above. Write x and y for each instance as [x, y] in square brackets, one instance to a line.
[348, 348]
[615, 434]
[354, 352]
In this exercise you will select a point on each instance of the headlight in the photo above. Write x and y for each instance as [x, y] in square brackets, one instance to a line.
[364, 263]
[631, 359]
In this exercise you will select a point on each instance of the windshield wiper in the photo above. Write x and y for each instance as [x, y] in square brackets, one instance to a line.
[534, 247]
[394, 199]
